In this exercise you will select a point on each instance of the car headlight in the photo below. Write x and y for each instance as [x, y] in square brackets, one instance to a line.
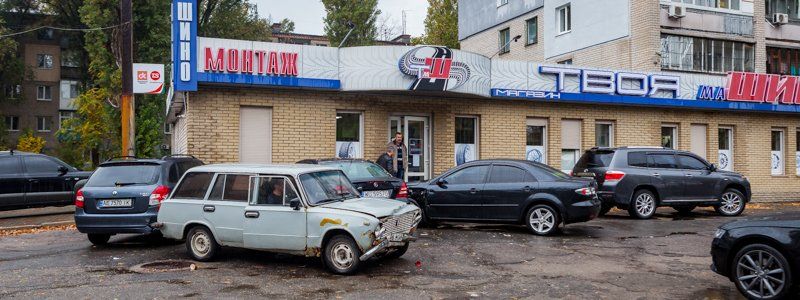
[719, 233]
[379, 231]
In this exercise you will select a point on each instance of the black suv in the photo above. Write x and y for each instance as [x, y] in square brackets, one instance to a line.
[640, 179]
[35, 180]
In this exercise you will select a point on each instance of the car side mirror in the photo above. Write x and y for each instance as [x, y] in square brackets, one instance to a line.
[62, 170]
[295, 203]
[441, 182]
[713, 168]
[360, 189]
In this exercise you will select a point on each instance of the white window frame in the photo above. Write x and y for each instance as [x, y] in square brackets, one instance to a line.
[537, 122]
[610, 132]
[564, 15]
[168, 128]
[42, 122]
[477, 135]
[13, 119]
[504, 44]
[360, 132]
[730, 142]
[501, 2]
[41, 89]
[675, 134]
[528, 22]
[782, 143]
[62, 118]
[575, 151]
[44, 55]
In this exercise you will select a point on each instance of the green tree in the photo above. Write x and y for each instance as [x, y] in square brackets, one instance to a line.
[361, 13]
[232, 19]
[441, 24]
[12, 69]
[287, 26]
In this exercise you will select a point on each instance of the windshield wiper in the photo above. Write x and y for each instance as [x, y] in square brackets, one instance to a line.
[124, 183]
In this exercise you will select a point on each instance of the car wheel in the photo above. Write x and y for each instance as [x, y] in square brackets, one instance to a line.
[604, 209]
[761, 272]
[644, 205]
[342, 255]
[684, 210]
[99, 239]
[542, 219]
[398, 252]
[731, 203]
[200, 244]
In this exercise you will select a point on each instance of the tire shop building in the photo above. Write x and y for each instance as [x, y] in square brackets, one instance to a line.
[259, 102]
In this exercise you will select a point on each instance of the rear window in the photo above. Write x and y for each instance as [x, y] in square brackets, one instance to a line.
[122, 175]
[360, 170]
[595, 159]
[193, 186]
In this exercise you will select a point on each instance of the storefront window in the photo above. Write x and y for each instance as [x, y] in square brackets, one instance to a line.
[705, 55]
[536, 140]
[466, 144]
[725, 159]
[604, 134]
[570, 144]
[777, 152]
[797, 153]
[669, 136]
[348, 134]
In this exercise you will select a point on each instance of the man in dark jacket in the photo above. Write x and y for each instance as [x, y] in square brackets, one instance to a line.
[385, 161]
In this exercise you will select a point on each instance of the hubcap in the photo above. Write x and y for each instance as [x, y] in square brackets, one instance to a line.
[200, 243]
[731, 202]
[542, 220]
[342, 256]
[760, 274]
[645, 204]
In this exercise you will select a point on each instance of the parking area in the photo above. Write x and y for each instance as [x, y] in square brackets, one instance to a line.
[612, 257]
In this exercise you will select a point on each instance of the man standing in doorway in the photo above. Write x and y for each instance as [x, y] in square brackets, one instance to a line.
[400, 156]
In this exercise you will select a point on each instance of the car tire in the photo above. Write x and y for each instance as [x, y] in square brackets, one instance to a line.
[604, 209]
[200, 244]
[542, 219]
[731, 203]
[684, 210]
[98, 239]
[750, 275]
[398, 252]
[643, 205]
[342, 255]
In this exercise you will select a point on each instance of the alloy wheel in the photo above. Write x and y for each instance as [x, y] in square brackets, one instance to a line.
[645, 204]
[760, 274]
[731, 202]
[542, 220]
[342, 256]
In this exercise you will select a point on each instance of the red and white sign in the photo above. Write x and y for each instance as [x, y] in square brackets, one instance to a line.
[249, 61]
[148, 78]
[769, 88]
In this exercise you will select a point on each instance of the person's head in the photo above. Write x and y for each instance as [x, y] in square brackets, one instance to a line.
[398, 137]
[389, 152]
[277, 187]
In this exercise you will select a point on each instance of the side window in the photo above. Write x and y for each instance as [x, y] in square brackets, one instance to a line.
[173, 176]
[272, 191]
[39, 164]
[637, 159]
[508, 174]
[216, 190]
[470, 175]
[692, 163]
[236, 187]
[193, 186]
[663, 161]
[10, 165]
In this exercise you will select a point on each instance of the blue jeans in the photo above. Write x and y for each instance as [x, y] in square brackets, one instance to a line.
[400, 173]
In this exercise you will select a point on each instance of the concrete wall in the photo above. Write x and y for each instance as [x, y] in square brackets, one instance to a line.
[475, 16]
[593, 23]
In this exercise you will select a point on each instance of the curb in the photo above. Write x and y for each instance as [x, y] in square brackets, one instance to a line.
[46, 224]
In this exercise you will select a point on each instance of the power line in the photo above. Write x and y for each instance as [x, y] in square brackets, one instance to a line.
[63, 29]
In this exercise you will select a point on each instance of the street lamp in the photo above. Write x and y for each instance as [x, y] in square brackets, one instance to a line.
[506, 44]
[352, 26]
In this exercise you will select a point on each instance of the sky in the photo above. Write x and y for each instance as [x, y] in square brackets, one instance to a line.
[307, 14]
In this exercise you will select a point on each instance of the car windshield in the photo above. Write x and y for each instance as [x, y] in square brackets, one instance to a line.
[122, 175]
[327, 186]
[360, 170]
[595, 159]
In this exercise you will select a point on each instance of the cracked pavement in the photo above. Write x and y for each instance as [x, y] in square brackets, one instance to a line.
[609, 258]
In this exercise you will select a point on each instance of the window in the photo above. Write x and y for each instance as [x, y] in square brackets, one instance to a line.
[565, 62]
[783, 61]
[125, 174]
[669, 136]
[272, 191]
[236, 187]
[69, 90]
[790, 7]
[470, 175]
[698, 139]
[12, 91]
[43, 124]
[167, 128]
[564, 19]
[45, 34]
[63, 116]
[44, 61]
[466, 145]
[71, 58]
[193, 186]
[662, 161]
[44, 93]
[40, 164]
[536, 140]
[637, 159]
[797, 152]
[505, 40]
[604, 134]
[348, 134]
[508, 174]
[691, 163]
[686, 53]
[570, 144]
[10, 165]
[501, 2]
[727, 4]
[777, 160]
[725, 159]
[532, 30]
[12, 123]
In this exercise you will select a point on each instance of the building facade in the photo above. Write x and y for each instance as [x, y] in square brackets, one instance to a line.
[245, 101]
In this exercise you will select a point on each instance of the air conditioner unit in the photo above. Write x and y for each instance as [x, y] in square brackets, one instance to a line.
[778, 18]
[677, 11]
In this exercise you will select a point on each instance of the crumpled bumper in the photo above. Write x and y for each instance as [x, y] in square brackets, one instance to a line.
[385, 244]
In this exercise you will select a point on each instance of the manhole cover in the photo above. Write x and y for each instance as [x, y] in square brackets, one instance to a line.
[164, 266]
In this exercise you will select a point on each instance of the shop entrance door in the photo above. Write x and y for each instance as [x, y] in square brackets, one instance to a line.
[416, 136]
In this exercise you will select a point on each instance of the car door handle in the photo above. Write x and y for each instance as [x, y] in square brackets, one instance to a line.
[656, 175]
[689, 175]
[251, 214]
[33, 180]
[526, 189]
[209, 208]
[473, 191]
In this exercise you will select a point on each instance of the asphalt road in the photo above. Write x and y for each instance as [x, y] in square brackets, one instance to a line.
[613, 257]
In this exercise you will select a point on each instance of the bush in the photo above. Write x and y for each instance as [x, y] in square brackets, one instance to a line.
[28, 142]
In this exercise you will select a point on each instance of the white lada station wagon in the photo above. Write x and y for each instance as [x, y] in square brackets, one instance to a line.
[296, 209]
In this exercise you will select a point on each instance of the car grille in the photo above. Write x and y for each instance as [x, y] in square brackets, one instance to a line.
[400, 224]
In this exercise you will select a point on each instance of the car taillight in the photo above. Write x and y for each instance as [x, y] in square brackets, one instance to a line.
[79, 199]
[587, 191]
[614, 175]
[158, 195]
[403, 193]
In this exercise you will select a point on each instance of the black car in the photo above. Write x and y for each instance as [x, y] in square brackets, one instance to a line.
[35, 180]
[760, 255]
[370, 178]
[507, 191]
[123, 195]
[640, 179]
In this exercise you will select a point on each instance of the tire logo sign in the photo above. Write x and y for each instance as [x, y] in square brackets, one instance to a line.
[434, 69]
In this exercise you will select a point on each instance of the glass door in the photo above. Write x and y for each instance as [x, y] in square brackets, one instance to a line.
[417, 140]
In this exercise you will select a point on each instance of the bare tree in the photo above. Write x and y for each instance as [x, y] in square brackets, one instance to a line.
[387, 27]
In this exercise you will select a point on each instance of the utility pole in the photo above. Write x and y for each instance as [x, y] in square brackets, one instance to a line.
[127, 105]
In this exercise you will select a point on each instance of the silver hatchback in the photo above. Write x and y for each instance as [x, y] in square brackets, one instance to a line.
[296, 209]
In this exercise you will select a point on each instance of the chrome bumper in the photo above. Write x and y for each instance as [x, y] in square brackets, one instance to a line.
[385, 243]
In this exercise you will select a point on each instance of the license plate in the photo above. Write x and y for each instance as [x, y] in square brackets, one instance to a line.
[116, 203]
[397, 237]
[378, 194]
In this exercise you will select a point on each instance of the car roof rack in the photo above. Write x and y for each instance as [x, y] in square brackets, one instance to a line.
[644, 147]
[178, 155]
[123, 157]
